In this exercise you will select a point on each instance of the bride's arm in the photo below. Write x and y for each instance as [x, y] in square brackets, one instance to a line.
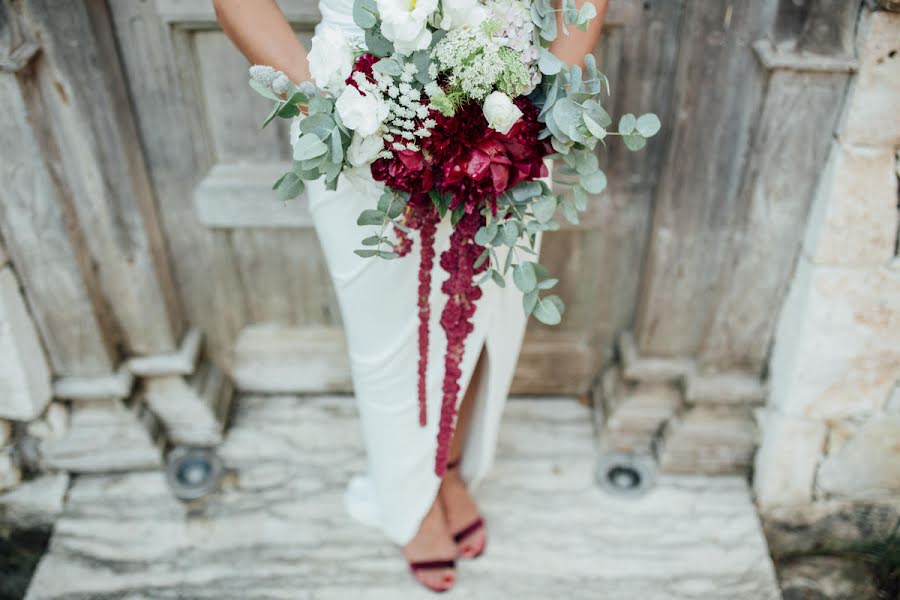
[572, 48]
[262, 33]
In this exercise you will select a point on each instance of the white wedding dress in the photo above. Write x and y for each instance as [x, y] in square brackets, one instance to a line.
[377, 301]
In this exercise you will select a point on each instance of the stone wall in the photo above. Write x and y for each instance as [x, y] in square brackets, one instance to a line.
[831, 426]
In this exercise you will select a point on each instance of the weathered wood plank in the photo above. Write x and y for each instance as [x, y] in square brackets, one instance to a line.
[790, 145]
[86, 103]
[35, 231]
[162, 79]
[286, 277]
[240, 195]
[717, 92]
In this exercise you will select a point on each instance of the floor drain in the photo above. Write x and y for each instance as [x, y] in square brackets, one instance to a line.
[626, 474]
[193, 472]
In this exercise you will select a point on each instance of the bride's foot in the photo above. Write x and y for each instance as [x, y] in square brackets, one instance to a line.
[463, 519]
[431, 552]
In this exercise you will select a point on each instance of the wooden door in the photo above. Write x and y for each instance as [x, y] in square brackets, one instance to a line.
[248, 267]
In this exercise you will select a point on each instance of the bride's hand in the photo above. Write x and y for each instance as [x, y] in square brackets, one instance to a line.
[572, 48]
[263, 34]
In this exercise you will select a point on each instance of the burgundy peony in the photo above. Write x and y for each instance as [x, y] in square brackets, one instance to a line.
[363, 63]
[476, 164]
[406, 171]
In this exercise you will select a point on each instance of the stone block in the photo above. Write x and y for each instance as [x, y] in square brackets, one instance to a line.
[810, 528]
[827, 578]
[105, 436]
[24, 373]
[785, 464]
[709, 440]
[867, 466]
[633, 414]
[52, 425]
[6, 432]
[837, 350]
[872, 118]
[35, 503]
[193, 411]
[854, 219]
[10, 474]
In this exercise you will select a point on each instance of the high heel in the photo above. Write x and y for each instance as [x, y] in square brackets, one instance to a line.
[469, 529]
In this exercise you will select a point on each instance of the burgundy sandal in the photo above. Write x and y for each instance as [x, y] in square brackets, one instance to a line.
[471, 528]
[428, 565]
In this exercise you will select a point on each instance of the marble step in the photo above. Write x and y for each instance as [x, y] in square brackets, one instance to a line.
[278, 527]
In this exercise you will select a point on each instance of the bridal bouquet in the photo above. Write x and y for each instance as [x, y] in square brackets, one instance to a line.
[454, 107]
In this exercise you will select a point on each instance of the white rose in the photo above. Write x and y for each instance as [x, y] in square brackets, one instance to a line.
[362, 113]
[500, 112]
[462, 13]
[364, 149]
[405, 23]
[330, 58]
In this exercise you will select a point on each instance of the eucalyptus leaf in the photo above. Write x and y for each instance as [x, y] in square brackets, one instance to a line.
[627, 123]
[309, 146]
[384, 201]
[337, 146]
[585, 162]
[510, 232]
[320, 104]
[634, 142]
[288, 111]
[498, 278]
[593, 109]
[579, 198]
[569, 211]
[387, 66]
[595, 182]
[387, 254]
[422, 60]
[319, 124]
[377, 44]
[482, 257]
[524, 276]
[648, 125]
[264, 90]
[525, 191]
[546, 284]
[508, 261]
[289, 186]
[548, 63]
[370, 217]
[594, 127]
[544, 208]
[365, 13]
[529, 300]
[366, 252]
[372, 240]
[587, 12]
[486, 234]
[547, 312]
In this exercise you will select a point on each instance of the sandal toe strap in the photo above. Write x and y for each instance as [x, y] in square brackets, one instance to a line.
[426, 565]
[468, 530]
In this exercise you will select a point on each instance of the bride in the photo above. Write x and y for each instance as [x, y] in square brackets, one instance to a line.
[435, 520]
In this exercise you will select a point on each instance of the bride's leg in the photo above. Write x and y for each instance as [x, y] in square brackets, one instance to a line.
[459, 507]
